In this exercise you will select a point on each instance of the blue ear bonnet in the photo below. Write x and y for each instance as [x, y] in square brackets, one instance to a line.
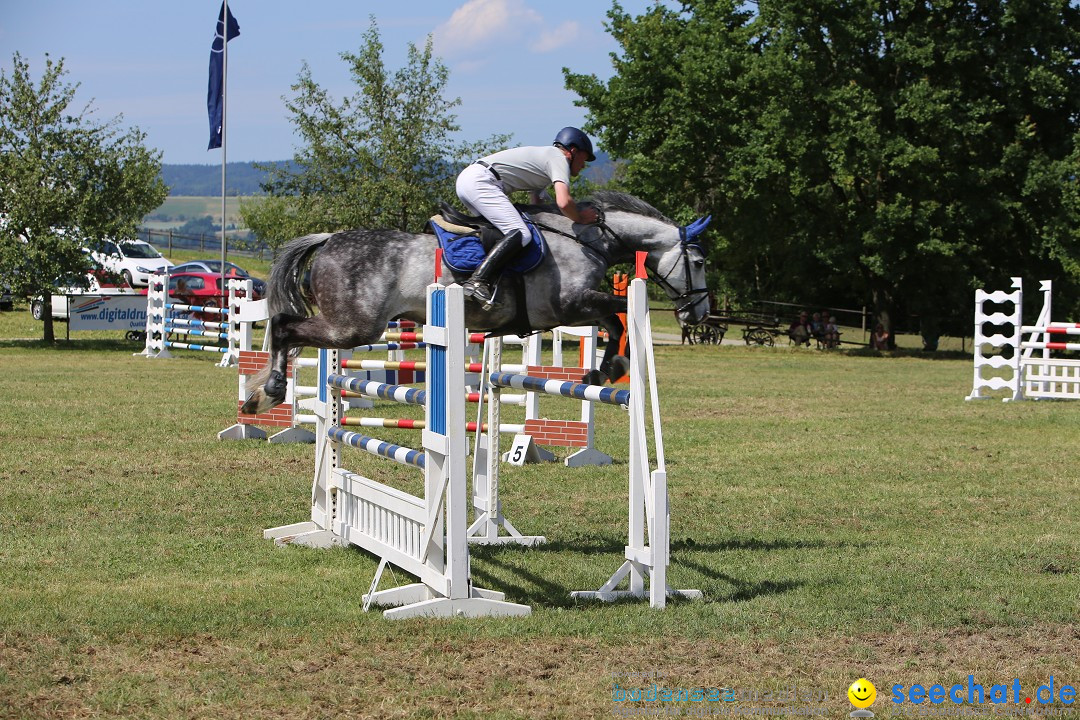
[688, 233]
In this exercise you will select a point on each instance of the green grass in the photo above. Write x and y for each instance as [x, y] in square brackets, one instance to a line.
[846, 514]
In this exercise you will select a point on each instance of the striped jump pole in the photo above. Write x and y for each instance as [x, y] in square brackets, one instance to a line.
[389, 346]
[385, 391]
[578, 391]
[418, 365]
[205, 309]
[411, 424]
[202, 324]
[374, 446]
[1056, 328]
[1049, 345]
[403, 336]
[233, 328]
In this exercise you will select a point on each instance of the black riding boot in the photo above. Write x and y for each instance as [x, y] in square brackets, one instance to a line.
[478, 287]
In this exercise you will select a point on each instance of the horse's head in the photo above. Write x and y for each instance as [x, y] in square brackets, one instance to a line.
[676, 258]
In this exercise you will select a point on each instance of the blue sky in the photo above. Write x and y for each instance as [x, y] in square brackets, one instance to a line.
[147, 60]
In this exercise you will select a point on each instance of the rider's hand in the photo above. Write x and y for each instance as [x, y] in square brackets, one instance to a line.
[587, 216]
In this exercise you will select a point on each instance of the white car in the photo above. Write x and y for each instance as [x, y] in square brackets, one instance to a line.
[134, 259]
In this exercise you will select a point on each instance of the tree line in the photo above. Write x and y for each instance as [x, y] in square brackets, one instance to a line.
[898, 152]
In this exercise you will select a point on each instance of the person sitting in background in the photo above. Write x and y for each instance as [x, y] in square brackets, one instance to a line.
[817, 327]
[879, 340]
[799, 331]
[832, 333]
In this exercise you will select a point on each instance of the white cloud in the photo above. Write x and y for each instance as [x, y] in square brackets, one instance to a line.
[550, 40]
[480, 25]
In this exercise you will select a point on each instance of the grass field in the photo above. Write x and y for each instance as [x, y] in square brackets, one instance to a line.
[184, 208]
[846, 514]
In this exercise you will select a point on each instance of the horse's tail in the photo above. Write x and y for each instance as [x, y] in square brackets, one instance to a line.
[285, 287]
[285, 294]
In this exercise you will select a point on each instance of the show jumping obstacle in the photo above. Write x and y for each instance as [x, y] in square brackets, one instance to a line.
[427, 536]
[1028, 375]
[298, 397]
[232, 330]
[542, 430]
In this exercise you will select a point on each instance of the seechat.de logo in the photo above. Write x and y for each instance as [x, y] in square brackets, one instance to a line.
[975, 693]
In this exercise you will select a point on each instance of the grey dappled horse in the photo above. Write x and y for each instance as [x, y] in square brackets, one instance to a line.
[361, 279]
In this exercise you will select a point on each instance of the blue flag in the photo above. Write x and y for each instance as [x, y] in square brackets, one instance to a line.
[215, 89]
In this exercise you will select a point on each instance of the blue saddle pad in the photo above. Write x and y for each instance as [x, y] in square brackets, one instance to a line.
[464, 252]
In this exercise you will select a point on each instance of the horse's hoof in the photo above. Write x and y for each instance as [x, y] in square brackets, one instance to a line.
[620, 367]
[259, 402]
[593, 377]
[276, 386]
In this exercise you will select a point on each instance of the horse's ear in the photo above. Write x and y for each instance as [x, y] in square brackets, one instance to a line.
[697, 227]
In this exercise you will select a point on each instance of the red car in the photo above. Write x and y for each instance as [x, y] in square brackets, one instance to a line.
[201, 288]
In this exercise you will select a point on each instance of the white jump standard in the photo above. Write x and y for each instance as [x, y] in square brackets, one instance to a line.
[1020, 371]
[649, 512]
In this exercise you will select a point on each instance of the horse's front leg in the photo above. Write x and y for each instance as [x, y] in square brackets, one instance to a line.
[612, 366]
[603, 309]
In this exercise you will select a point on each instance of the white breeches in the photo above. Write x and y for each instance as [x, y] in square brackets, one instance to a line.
[483, 195]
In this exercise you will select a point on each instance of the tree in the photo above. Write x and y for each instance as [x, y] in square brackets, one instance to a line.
[64, 180]
[899, 152]
[382, 157]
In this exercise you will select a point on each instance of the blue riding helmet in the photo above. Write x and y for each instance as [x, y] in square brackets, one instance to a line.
[571, 136]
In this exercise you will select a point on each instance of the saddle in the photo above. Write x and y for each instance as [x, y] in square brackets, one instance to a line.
[459, 224]
[466, 239]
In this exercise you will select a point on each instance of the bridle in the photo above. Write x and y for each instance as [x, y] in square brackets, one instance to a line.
[693, 295]
[686, 241]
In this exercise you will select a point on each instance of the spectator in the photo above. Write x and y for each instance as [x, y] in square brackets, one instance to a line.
[817, 327]
[879, 340]
[832, 333]
[799, 331]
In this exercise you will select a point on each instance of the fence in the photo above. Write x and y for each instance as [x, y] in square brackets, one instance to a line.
[204, 242]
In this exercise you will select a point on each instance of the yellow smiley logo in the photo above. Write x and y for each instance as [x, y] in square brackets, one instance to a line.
[862, 693]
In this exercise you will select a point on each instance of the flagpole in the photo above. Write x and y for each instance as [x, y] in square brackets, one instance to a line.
[224, 125]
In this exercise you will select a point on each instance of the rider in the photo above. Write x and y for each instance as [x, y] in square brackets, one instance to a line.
[484, 186]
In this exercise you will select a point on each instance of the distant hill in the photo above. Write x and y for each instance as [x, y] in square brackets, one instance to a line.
[205, 180]
[244, 178]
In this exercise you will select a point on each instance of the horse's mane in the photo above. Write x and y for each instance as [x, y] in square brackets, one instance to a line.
[607, 200]
[612, 200]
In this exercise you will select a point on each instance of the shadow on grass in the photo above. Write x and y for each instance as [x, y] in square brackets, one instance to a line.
[866, 352]
[532, 587]
[74, 345]
[608, 545]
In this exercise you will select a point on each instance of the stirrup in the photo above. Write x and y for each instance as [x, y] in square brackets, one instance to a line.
[480, 291]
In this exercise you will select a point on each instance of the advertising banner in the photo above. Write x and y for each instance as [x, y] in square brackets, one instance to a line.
[107, 312]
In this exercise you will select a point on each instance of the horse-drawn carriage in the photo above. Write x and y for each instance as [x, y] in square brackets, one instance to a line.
[759, 328]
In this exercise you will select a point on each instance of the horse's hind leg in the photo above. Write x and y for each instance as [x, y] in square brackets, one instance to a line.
[289, 332]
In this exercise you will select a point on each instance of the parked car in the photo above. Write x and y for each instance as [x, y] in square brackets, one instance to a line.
[95, 282]
[135, 260]
[214, 266]
[201, 288]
